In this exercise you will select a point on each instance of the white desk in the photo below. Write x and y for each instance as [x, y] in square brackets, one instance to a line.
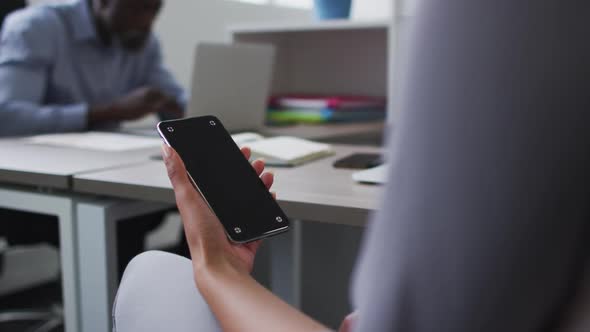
[23, 163]
[331, 132]
[40, 179]
[315, 192]
[36, 179]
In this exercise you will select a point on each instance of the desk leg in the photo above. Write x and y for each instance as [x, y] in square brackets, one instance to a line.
[285, 264]
[62, 207]
[98, 258]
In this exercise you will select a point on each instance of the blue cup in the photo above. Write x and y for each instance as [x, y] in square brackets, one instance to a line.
[332, 9]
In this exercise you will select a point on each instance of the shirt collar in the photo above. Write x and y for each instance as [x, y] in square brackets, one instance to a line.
[84, 26]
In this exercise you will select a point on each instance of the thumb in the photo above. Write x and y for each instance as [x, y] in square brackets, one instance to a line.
[184, 191]
[349, 322]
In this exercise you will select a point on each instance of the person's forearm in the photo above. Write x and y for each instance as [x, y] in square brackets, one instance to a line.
[20, 118]
[242, 304]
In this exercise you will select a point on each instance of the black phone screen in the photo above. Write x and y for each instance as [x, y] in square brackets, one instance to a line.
[225, 178]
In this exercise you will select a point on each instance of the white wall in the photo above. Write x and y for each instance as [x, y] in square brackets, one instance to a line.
[183, 23]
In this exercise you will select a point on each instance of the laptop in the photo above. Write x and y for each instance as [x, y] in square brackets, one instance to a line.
[231, 82]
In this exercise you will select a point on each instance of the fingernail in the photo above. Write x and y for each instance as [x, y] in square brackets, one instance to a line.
[165, 151]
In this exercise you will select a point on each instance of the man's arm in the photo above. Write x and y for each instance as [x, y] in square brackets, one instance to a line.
[159, 77]
[26, 54]
[485, 221]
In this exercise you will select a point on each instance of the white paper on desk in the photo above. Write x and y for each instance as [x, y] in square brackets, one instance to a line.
[245, 138]
[98, 141]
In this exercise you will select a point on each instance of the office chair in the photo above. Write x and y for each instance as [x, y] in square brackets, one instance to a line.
[23, 268]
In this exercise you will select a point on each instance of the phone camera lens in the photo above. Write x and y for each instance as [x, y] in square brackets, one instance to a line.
[238, 230]
[170, 129]
[279, 219]
[212, 123]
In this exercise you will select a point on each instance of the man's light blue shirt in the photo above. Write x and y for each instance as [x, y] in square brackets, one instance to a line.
[53, 67]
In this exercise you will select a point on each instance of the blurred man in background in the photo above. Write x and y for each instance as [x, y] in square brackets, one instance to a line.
[81, 65]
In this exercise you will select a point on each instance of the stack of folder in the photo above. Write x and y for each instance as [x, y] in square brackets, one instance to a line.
[287, 109]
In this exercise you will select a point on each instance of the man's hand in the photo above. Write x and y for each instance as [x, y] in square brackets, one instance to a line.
[135, 105]
[143, 101]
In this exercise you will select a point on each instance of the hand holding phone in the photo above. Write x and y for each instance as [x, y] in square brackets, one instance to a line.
[230, 187]
[205, 235]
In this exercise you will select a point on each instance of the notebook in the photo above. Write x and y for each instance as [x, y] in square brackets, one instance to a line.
[325, 115]
[332, 102]
[283, 150]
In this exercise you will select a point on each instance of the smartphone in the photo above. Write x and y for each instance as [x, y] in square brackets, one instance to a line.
[225, 178]
[359, 161]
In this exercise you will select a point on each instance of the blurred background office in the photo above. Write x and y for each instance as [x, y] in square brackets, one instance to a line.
[180, 26]
[335, 58]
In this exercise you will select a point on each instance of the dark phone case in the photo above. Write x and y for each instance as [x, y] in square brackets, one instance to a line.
[194, 130]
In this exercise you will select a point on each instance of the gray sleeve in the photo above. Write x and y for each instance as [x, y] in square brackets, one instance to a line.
[27, 52]
[484, 223]
[157, 293]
